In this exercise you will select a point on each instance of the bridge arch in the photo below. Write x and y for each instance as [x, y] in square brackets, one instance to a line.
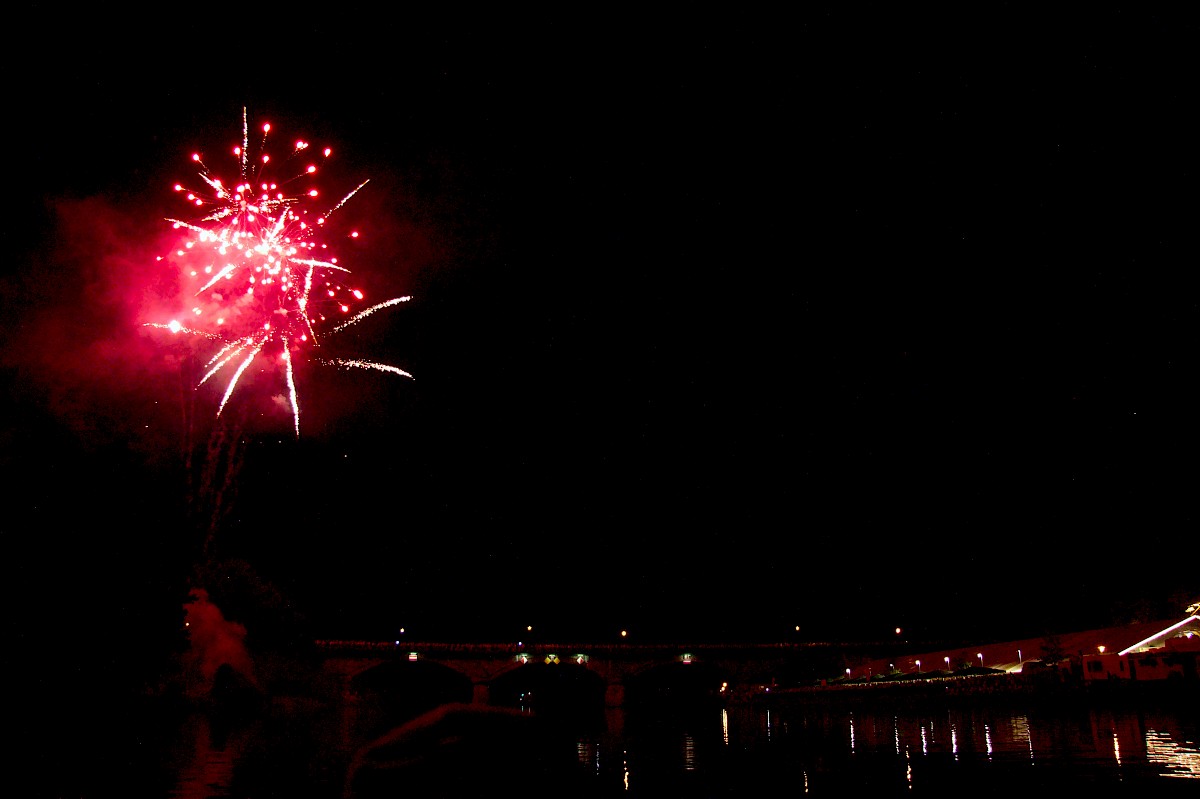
[549, 686]
[410, 687]
[678, 680]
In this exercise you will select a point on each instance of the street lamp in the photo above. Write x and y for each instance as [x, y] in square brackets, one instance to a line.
[980, 656]
[918, 667]
[947, 659]
[1020, 660]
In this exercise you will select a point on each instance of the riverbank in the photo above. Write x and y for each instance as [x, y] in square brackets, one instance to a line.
[1053, 687]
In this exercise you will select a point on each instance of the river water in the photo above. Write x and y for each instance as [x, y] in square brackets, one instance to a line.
[787, 746]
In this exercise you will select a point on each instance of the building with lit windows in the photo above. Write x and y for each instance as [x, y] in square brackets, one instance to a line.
[1171, 653]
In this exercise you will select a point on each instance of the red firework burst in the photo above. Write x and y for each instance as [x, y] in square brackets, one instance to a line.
[261, 277]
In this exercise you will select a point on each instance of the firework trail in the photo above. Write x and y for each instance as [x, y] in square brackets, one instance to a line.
[261, 277]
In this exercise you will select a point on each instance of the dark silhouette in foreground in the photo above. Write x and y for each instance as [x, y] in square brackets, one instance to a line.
[461, 749]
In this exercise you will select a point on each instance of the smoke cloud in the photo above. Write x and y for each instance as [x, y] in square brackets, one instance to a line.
[215, 642]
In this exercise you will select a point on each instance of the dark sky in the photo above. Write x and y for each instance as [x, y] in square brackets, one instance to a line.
[719, 325]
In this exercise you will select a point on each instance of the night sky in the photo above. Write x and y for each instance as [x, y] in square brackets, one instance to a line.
[719, 325]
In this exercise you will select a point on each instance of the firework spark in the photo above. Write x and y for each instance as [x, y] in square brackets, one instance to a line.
[262, 277]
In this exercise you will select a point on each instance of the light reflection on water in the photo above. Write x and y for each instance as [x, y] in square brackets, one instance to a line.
[1176, 759]
[814, 750]
[209, 761]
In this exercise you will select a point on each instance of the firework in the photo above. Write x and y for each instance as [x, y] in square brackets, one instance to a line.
[261, 277]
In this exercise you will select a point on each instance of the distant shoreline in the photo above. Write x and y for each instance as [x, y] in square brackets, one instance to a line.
[1046, 687]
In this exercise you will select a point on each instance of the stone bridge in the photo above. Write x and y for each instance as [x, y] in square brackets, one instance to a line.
[724, 667]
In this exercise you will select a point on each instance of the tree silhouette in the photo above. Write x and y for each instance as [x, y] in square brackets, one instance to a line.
[1052, 650]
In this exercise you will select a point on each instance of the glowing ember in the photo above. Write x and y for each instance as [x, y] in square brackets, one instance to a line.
[253, 258]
